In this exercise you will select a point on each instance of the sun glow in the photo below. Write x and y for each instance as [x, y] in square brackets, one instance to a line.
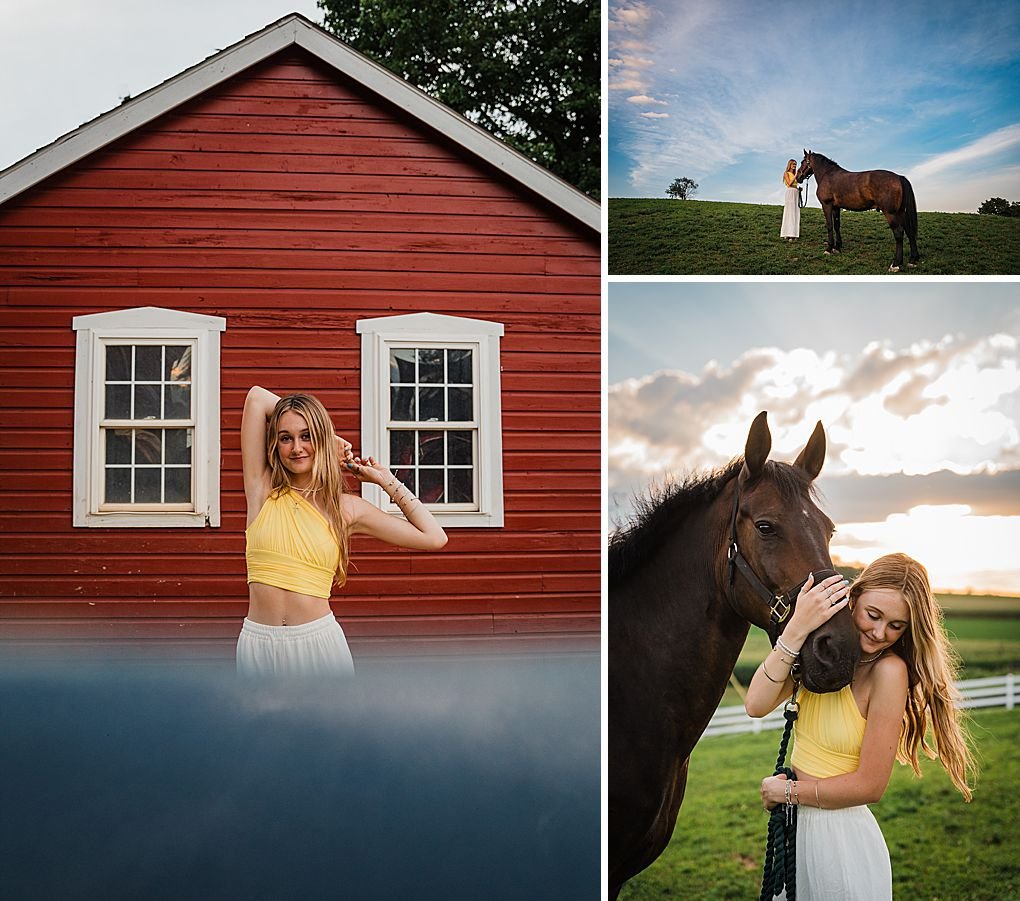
[962, 552]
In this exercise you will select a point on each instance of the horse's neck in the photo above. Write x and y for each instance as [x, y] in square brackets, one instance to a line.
[681, 616]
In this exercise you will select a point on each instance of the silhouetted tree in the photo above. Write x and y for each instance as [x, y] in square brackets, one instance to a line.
[998, 206]
[682, 189]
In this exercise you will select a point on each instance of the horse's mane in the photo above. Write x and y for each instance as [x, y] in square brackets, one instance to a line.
[824, 158]
[658, 511]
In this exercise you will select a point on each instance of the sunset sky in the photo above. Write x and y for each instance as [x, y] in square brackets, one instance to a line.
[917, 386]
[725, 92]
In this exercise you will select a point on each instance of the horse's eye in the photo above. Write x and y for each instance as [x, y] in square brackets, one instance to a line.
[764, 528]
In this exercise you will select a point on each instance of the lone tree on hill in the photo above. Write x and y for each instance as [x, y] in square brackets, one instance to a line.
[682, 189]
[997, 206]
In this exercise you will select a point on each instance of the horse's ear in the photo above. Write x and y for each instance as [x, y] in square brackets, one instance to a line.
[813, 455]
[756, 451]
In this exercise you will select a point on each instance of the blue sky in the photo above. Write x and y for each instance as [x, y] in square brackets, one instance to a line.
[64, 62]
[917, 387]
[726, 92]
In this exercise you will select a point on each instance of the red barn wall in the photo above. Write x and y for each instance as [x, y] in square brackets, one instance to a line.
[293, 203]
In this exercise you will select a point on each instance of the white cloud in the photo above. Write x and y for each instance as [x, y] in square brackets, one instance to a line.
[655, 115]
[645, 100]
[1005, 140]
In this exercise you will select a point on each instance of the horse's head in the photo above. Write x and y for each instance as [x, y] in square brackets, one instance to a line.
[779, 536]
[806, 167]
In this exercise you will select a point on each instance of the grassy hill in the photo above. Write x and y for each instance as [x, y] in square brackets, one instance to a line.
[674, 237]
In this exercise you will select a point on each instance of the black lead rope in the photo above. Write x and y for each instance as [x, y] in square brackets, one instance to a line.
[802, 195]
[781, 843]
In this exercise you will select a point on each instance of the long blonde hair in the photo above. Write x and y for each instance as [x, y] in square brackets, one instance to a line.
[327, 477]
[932, 666]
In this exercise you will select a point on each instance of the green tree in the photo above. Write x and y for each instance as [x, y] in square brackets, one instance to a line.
[995, 206]
[527, 71]
[682, 189]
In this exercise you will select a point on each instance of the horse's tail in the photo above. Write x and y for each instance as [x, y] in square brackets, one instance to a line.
[909, 208]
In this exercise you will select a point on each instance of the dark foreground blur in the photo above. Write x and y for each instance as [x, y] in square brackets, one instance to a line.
[449, 780]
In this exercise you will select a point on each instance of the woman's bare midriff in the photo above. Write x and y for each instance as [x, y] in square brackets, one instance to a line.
[272, 606]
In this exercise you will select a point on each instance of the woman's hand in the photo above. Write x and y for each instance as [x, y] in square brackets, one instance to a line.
[368, 470]
[816, 605]
[773, 791]
[346, 451]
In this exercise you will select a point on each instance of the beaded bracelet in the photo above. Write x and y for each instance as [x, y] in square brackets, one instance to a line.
[782, 645]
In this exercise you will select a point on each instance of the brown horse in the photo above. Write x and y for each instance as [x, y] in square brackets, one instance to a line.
[876, 189]
[700, 563]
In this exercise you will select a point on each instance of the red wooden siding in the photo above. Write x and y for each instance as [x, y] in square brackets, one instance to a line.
[293, 204]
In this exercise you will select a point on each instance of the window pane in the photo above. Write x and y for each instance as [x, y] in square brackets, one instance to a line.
[177, 363]
[146, 402]
[177, 402]
[118, 445]
[401, 448]
[430, 364]
[118, 363]
[430, 404]
[149, 446]
[178, 446]
[460, 404]
[461, 486]
[118, 401]
[459, 362]
[431, 484]
[402, 404]
[402, 365]
[430, 448]
[118, 485]
[178, 485]
[147, 486]
[148, 360]
[460, 448]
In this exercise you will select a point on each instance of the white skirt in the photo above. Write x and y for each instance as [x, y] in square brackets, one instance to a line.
[318, 648]
[841, 856]
[791, 214]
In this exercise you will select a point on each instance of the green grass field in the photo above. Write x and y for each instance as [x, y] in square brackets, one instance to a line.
[941, 848]
[674, 237]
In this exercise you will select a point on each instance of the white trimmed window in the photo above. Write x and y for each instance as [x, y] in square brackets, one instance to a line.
[147, 419]
[431, 411]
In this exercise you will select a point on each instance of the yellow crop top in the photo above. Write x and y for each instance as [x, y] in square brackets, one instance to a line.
[790, 179]
[828, 733]
[290, 545]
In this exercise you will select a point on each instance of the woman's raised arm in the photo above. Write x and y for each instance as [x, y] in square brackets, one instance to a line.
[418, 531]
[258, 406]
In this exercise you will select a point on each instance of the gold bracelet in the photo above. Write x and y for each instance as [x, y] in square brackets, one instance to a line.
[767, 676]
[819, 803]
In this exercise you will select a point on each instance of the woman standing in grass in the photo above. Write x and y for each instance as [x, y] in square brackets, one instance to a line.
[299, 524]
[791, 204]
[846, 741]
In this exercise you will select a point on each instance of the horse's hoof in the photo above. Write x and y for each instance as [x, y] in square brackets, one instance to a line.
[828, 253]
[894, 268]
[912, 265]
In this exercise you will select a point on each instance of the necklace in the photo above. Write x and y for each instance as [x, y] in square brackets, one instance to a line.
[865, 660]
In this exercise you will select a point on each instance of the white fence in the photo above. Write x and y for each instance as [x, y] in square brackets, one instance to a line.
[996, 691]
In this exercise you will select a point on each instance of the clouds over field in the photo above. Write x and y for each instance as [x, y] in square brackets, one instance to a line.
[923, 437]
[741, 86]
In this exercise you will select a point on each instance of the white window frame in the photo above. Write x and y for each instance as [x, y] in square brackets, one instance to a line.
[439, 331]
[146, 325]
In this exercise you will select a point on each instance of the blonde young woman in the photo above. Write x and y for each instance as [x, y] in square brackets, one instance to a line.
[298, 532]
[845, 742]
[790, 228]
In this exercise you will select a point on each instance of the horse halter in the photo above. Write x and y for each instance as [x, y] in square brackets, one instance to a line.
[780, 605]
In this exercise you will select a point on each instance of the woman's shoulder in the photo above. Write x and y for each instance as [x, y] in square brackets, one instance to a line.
[890, 672]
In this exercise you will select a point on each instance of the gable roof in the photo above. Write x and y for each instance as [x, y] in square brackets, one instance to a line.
[291, 30]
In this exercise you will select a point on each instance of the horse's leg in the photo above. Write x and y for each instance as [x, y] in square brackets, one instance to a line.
[896, 224]
[911, 229]
[839, 234]
[827, 209]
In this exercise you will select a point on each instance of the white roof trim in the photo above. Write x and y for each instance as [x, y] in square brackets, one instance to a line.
[294, 29]
[417, 323]
[143, 318]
